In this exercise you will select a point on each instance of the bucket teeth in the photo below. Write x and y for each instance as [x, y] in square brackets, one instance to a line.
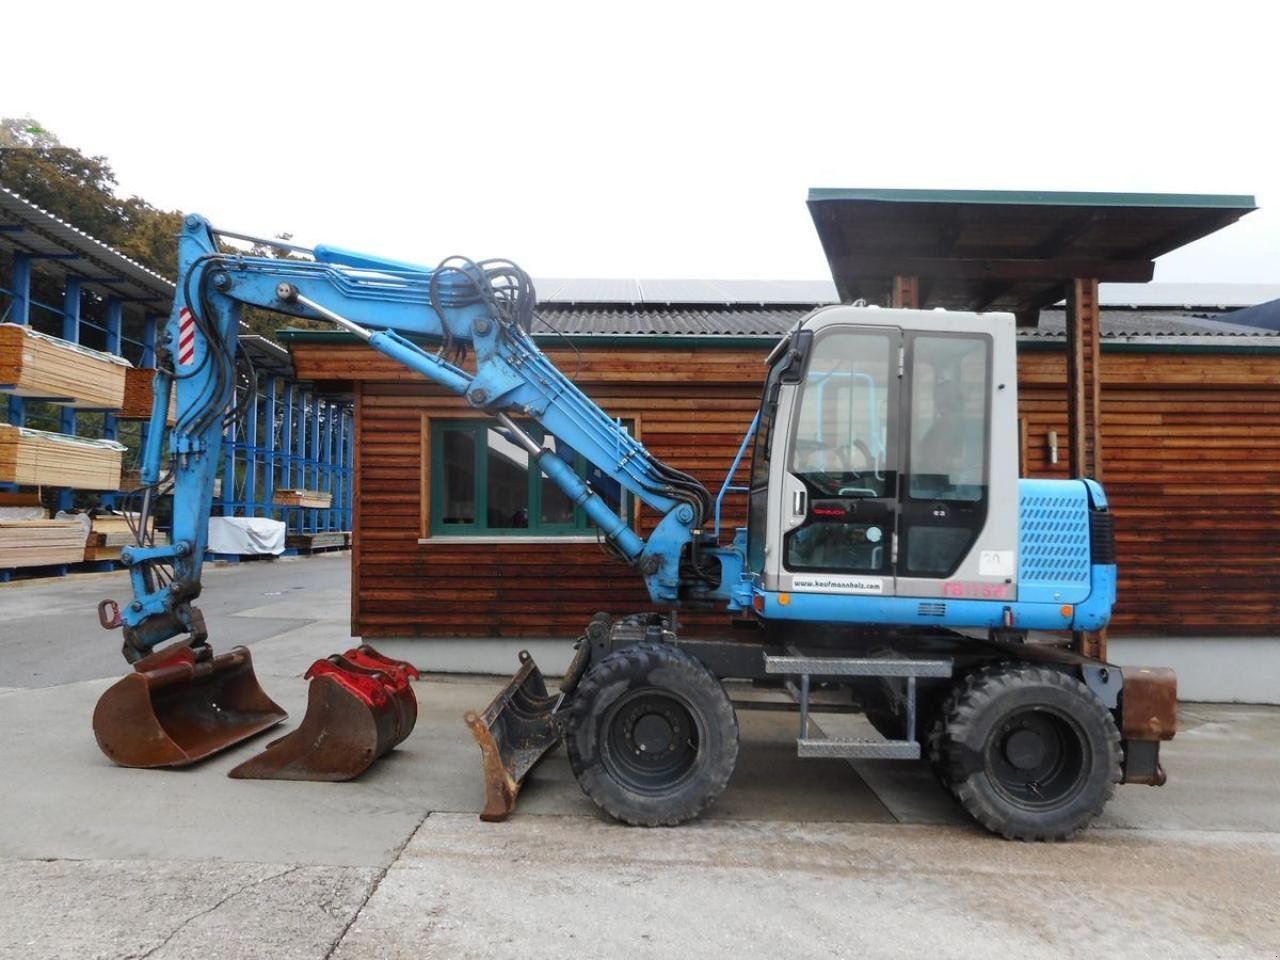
[514, 733]
[181, 705]
[360, 705]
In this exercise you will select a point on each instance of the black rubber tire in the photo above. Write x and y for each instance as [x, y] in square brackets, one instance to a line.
[602, 715]
[1066, 776]
[934, 739]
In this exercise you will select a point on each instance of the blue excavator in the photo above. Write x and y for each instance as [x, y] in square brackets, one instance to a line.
[893, 565]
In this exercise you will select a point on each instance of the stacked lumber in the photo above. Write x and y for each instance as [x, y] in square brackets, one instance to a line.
[310, 499]
[109, 533]
[52, 459]
[139, 391]
[34, 364]
[38, 543]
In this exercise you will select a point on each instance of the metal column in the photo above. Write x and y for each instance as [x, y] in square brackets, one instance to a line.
[70, 332]
[269, 467]
[115, 320]
[330, 411]
[20, 313]
[313, 462]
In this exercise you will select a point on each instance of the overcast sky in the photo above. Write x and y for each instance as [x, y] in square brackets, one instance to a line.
[650, 139]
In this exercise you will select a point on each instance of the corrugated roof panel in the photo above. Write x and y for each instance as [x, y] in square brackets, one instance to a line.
[774, 321]
[35, 230]
[1188, 295]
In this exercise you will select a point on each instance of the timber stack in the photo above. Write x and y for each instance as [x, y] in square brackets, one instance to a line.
[139, 392]
[38, 458]
[39, 366]
[307, 499]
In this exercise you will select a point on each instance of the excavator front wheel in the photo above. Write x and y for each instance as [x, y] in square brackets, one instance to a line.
[652, 735]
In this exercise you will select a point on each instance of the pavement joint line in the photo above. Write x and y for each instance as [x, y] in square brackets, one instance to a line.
[373, 887]
[208, 910]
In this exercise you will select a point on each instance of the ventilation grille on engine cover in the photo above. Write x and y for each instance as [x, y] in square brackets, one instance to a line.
[1054, 535]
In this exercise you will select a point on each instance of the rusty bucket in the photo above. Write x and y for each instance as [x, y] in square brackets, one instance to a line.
[514, 732]
[359, 706]
[181, 705]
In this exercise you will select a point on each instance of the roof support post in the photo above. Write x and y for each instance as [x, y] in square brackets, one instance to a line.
[271, 455]
[20, 313]
[1084, 406]
[1084, 382]
[314, 455]
[71, 332]
[906, 292]
[115, 343]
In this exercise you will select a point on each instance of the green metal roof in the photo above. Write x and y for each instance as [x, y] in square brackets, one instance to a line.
[1004, 250]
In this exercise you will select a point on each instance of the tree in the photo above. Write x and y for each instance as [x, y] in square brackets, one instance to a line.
[80, 189]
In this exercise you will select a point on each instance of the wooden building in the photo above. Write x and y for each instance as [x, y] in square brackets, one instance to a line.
[1191, 460]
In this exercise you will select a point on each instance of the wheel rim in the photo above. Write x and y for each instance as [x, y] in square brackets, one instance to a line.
[650, 740]
[1038, 759]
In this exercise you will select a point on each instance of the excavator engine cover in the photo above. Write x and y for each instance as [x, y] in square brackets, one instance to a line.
[515, 731]
[180, 705]
[360, 705]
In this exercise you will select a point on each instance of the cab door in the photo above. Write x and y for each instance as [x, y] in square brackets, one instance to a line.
[946, 484]
[840, 490]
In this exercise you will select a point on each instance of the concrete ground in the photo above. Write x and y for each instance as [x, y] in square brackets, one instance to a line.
[798, 859]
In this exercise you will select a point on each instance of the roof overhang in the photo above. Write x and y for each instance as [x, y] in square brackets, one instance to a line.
[61, 248]
[1004, 250]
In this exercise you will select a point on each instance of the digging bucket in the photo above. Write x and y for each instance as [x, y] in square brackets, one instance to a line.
[181, 705]
[514, 732]
[355, 714]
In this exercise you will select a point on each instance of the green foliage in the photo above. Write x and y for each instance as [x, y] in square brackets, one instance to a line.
[80, 189]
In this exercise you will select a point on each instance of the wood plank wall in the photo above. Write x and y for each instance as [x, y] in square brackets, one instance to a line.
[1191, 461]
[1192, 466]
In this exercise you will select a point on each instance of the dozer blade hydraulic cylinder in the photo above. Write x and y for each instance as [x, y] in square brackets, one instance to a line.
[515, 731]
[180, 705]
[356, 713]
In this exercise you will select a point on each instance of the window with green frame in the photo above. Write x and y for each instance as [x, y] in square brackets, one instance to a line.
[481, 484]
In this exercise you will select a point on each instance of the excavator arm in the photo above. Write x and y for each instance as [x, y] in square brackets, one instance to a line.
[481, 310]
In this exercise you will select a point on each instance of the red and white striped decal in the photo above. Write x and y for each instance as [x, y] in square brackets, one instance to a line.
[186, 337]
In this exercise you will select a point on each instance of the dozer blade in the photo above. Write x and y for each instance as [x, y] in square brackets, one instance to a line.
[180, 706]
[515, 731]
[354, 715]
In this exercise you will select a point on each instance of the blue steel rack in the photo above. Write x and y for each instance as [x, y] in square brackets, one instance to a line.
[291, 436]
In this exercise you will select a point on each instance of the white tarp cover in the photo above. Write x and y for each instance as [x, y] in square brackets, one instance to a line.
[246, 535]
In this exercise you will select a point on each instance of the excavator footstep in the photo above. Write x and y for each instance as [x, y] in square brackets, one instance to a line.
[514, 732]
[360, 705]
[180, 705]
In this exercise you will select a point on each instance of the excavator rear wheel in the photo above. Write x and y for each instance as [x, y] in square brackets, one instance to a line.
[652, 736]
[1028, 751]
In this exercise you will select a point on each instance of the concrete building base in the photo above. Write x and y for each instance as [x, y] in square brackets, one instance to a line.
[1210, 669]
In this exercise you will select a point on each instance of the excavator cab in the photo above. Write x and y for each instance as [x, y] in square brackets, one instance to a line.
[885, 464]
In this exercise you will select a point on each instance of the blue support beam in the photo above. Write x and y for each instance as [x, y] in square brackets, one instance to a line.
[331, 410]
[251, 456]
[150, 327]
[20, 313]
[115, 342]
[313, 460]
[286, 445]
[269, 468]
[71, 332]
[229, 468]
